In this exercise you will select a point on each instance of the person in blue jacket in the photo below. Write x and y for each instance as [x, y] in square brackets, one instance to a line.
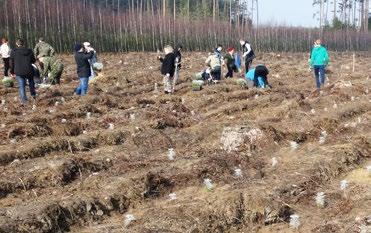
[258, 76]
[319, 59]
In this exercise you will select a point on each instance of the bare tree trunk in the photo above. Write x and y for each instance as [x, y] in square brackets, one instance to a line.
[366, 7]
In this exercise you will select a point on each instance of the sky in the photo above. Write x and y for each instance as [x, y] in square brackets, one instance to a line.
[289, 12]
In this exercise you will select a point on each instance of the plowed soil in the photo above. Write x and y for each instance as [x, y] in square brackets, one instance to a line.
[90, 164]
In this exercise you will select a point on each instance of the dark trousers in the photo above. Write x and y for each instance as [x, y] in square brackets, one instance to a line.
[319, 72]
[248, 64]
[6, 66]
[229, 73]
[216, 74]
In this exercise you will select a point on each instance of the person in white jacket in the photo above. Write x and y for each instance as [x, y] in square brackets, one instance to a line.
[5, 54]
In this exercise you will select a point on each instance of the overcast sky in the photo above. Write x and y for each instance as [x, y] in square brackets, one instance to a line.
[290, 12]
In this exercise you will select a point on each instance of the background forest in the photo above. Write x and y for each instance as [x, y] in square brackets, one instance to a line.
[146, 25]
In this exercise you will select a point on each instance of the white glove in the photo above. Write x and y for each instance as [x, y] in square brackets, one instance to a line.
[168, 74]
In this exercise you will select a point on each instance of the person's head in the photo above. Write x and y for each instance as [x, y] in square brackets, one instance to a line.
[219, 48]
[318, 42]
[41, 39]
[87, 45]
[242, 42]
[230, 50]
[168, 49]
[4, 40]
[19, 42]
[78, 47]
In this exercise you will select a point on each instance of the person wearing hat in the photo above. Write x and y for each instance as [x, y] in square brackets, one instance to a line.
[319, 59]
[230, 62]
[82, 58]
[88, 48]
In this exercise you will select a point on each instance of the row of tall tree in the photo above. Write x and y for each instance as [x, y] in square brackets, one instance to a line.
[343, 13]
[147, 25]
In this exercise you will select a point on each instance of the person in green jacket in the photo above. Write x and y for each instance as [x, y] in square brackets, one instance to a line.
[319, 59]
[43, 49]
[53, 68]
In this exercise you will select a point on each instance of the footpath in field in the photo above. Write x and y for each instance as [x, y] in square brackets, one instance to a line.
[127, 158]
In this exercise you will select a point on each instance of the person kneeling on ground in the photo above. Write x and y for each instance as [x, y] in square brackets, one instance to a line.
[21, 60]
[53, 68]
[258, 77]
[230, 62]
[168, 69]
[319, 59]
[83, 68]
[214, 61]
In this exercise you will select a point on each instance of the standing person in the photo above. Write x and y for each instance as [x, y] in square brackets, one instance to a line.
[168, 69]
[53, 69]
[230, 62]
[178, 63]
[214, 61]
[82, 58]
[21, 60]
[88, 48]
[43, 49]
[5, 54]
[248, 54]
[319, 59]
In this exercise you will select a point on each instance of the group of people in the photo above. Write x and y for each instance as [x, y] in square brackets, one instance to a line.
[42, 66]
[21, 64]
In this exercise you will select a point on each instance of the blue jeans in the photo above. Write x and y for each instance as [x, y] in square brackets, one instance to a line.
[22, 87]
[319, 72]
[82, 89]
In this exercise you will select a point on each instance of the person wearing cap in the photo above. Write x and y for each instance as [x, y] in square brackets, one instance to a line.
[319, 59]
[89, 48]
[43, 49]
[230, 63]
[82, 58]
[248, 54]
[52, 68]
[5, 54]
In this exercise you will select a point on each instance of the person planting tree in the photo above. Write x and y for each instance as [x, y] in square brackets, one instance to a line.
[214, 61]
[52, 68]
[319, 59]
[248, 54]
[82, 58]
[168, 69]
[230, 63]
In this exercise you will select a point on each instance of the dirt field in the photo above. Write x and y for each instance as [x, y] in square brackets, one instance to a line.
[92, 164]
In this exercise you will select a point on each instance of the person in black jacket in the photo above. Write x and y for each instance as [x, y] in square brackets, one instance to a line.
[83, 68]
[21, 60]
[248, 54]
[168, 69]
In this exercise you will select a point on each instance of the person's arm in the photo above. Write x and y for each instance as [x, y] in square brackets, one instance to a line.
[248, 47]
[208, 60]
[326, 58]
[311, 58]
[88, 55]
[36, 50]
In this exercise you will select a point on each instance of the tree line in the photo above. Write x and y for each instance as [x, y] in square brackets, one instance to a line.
[147, 25]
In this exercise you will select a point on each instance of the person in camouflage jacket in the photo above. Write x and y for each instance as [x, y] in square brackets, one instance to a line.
[43, 49]
[53, 68]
